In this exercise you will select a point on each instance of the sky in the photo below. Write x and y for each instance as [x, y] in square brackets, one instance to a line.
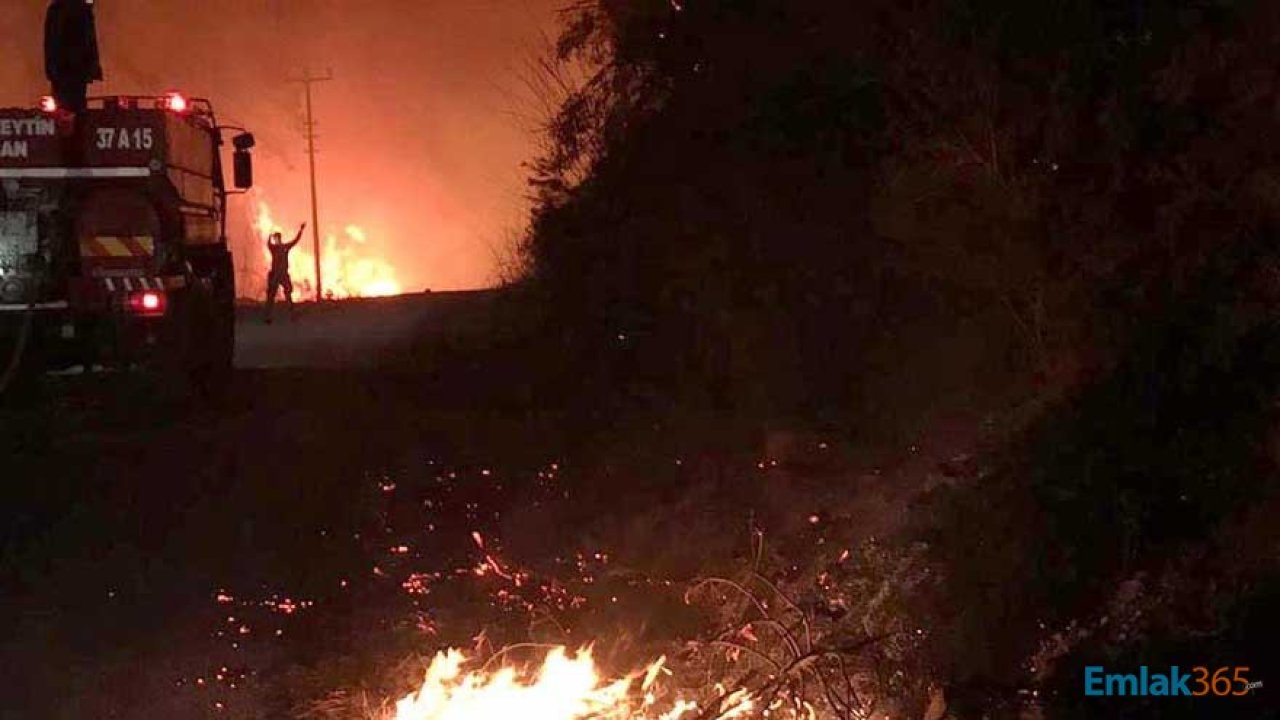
[423, 132]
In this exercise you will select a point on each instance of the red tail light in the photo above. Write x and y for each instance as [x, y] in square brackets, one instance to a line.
[148, 304]
[48, 104]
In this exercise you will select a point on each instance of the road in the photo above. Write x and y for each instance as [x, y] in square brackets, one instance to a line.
[362, 334]
[124, 527]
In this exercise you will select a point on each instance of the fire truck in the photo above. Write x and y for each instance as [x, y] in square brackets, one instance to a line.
[113, 239]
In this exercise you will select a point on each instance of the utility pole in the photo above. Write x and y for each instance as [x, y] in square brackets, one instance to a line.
[307, 80]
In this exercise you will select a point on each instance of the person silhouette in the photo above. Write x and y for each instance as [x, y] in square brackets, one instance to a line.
[71, 57]
[278, 278]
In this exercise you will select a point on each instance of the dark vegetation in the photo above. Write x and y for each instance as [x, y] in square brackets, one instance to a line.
[851, 219]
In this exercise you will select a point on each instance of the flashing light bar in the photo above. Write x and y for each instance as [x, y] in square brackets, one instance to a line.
[172, 101]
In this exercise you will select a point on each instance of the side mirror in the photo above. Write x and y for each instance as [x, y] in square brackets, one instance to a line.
[244, 141]
[243, 170]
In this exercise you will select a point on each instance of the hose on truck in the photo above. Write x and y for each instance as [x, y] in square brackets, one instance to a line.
[19, 349]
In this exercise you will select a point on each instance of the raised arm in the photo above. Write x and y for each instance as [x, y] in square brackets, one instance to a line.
[297, 238]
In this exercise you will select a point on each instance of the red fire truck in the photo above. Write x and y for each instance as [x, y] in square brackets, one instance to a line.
[113, 238]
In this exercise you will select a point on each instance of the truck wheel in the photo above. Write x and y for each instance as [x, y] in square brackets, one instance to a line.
[211, 326]
[209, 347]
[223, 352]
[181, 370]
[175, 370]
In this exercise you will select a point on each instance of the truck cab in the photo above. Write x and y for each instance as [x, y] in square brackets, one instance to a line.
[113, 236]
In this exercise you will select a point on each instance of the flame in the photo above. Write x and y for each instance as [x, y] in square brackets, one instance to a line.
[566, 687]
[349, 268]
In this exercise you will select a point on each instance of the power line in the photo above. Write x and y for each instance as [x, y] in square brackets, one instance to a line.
[308, 80]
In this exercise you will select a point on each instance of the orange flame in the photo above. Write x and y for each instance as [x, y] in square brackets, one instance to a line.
[565, 687]
[350, 269]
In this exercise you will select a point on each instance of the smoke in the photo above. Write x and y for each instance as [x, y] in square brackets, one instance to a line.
[422, 132]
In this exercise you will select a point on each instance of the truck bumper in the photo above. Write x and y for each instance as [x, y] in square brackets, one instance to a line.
[92, 327]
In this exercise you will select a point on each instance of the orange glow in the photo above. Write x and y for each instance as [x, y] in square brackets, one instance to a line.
[350, 266]
[426, 154]
[567, 686]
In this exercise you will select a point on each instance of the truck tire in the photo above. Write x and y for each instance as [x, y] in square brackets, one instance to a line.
[223, 282]
[211, 312]
[208, 363]
[173, 372]
[218, 279]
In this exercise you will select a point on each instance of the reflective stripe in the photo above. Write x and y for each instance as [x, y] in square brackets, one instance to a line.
[73, 173]
[129, 284]
[118, 247]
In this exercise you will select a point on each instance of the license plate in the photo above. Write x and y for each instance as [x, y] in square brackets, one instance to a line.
[18, 234]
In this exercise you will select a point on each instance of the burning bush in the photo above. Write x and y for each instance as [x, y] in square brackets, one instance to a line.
[565, 687]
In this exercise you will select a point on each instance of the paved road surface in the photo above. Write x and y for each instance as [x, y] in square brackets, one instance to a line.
[357, 333]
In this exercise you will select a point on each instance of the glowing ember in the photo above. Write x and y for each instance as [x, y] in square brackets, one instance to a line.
[566, 687]
[350, 269]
